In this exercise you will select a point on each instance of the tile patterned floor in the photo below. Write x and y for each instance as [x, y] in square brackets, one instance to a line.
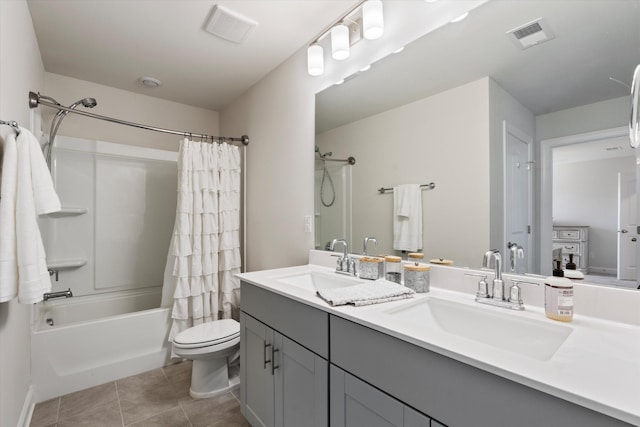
[151, 399]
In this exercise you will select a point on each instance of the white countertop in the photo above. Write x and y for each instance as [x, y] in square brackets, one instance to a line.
[598, 366]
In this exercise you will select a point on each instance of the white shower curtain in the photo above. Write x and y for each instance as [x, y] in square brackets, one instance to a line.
[204, 254]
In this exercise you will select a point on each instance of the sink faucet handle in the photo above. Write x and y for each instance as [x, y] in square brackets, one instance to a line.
[483, 286]
[352, 266]
[515, 293]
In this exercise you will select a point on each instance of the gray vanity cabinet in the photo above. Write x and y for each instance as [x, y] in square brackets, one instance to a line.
[284, 382]
[456, 393]
[355, 403]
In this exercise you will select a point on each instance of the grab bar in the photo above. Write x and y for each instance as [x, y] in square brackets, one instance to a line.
[49, 295]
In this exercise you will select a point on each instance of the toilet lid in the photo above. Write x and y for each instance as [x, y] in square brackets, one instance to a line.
[209, 333]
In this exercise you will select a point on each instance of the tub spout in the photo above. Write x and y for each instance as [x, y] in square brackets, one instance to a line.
[49, 295]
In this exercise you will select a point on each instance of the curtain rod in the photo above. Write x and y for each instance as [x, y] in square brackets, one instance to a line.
[36, 99]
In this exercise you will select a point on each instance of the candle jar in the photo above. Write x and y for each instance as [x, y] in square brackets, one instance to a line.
[416, 277]
[371, 268]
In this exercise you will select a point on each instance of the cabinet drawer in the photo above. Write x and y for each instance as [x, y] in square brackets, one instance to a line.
[569, 234]
[302, 323]
[568, 248]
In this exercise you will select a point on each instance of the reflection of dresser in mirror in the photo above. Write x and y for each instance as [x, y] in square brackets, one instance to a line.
[573, 240]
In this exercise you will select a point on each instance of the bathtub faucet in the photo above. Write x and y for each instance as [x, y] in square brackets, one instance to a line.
[49, 295]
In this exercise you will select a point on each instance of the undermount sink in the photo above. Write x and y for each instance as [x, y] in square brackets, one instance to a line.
[314, 280]
[507, 331]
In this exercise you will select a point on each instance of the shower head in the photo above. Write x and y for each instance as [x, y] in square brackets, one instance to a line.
[57, 119]
[86, 102]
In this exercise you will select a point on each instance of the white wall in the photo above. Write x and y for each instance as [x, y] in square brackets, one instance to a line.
[278, 115]
[21, 70]
[582, 197]
[418, 143]
[586, 118]
[128, 106]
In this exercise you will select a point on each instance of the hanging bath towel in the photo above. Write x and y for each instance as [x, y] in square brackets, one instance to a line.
[407, 217]
[26, 192]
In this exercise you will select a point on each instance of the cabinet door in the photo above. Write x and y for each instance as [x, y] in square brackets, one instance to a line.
[301, 379]
[413, 418]
[257, 399]
[354, 403]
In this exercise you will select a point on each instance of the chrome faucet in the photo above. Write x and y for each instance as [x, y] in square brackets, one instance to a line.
[493, 259]
[497, 297]
[515, 252]
[367, 240]
[345, 265]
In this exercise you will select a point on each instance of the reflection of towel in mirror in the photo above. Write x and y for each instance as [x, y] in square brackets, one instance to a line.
[407, 217]
[366, 293]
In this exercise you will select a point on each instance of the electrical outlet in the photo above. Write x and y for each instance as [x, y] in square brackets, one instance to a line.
[308, 224]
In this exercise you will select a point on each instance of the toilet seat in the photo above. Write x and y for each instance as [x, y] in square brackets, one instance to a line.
[208, 334]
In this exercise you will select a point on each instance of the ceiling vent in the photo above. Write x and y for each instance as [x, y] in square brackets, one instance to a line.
[229, 25]
[531, 34]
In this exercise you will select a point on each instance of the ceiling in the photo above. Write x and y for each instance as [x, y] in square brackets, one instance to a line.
[594, 40]
[114, 42]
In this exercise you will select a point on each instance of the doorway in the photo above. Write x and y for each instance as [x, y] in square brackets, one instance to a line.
[581, 187]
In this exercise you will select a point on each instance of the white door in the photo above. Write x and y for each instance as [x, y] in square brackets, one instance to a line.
[518, 170]
[627, 232]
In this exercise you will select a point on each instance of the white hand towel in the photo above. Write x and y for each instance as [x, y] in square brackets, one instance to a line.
[8, 186]
[407, 217]
[367, 293]
[35, 194]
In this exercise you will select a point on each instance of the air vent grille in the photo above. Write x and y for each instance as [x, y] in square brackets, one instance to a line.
[527, 31]
[229, 25]
[530, 34]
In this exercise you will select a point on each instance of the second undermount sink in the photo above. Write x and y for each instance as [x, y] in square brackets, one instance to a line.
[314, 280]
[508, 331]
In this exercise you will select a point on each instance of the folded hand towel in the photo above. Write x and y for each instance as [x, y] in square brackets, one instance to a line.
[407, 219]
[367, 293]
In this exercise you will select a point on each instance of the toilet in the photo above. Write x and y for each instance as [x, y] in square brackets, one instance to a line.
[212, 346]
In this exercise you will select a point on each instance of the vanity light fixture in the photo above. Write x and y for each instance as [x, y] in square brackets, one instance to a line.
[372, 19]
[315, 60]
[340, 42]
[363, 20]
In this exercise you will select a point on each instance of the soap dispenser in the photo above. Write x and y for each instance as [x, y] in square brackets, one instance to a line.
[558, 295]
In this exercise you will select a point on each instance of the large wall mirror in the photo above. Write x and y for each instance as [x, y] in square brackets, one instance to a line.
[518, 116]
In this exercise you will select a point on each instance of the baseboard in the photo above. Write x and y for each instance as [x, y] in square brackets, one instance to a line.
[27, 409]
[607, 271]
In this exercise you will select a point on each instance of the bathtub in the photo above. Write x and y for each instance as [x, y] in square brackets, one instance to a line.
[96, 339]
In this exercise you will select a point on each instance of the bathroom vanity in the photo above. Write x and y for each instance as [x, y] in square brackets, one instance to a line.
[409, 363]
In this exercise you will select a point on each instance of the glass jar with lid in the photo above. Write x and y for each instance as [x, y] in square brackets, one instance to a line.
[392, 265]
